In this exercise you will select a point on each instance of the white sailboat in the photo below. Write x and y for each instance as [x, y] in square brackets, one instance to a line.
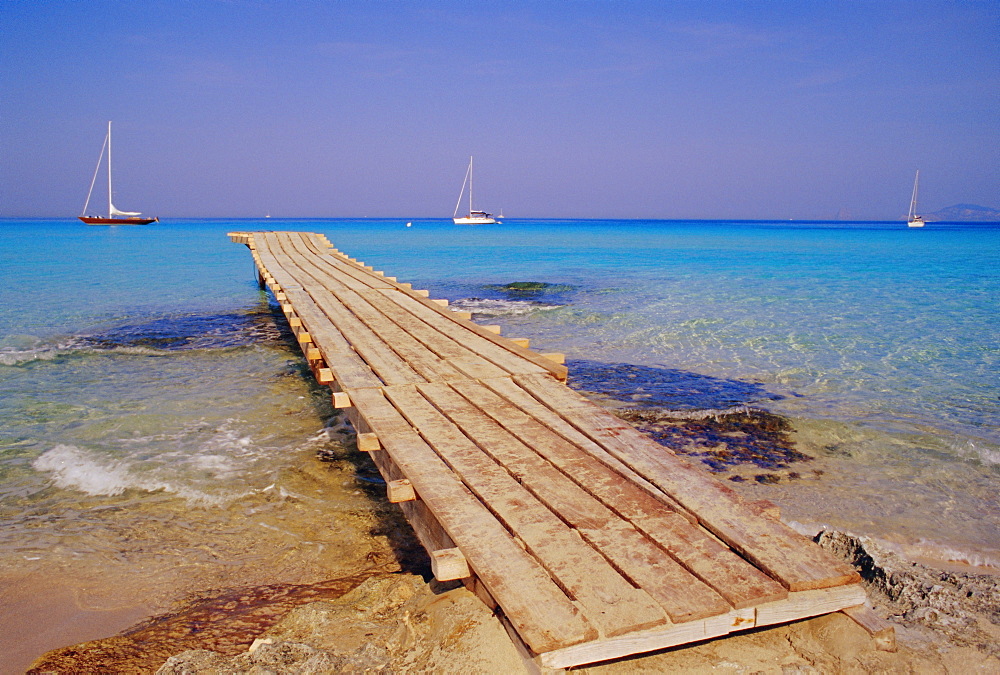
[913, 220]
[115, 216]
[474, 217]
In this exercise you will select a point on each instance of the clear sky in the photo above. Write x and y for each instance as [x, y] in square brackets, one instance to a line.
[573, 108]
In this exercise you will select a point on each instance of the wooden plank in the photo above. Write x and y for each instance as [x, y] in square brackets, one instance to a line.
[769, 544]
[636, 556]
[736, 580]
[513, 392]
[462, 358]
[348, 273]
[349, 368]
[803, 604]
[400, 490]
[417, 356]
[506, 358]
[797, 606]
[378, 356]
[883, 633]
[608, 600]
[542, 613]
[362, 278]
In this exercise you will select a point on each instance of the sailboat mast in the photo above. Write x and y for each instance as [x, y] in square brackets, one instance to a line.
[913, 199]
[109, 168]
[470, 184]
[461, 194]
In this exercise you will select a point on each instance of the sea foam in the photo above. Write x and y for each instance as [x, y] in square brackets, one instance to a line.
[493, 307]
[84, 470]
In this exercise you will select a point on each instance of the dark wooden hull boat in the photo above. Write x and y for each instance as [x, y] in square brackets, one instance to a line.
[115, 216]
[98, 220]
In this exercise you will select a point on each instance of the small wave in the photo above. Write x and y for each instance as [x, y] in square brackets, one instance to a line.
[930, 549]
[978, 452]
[492, 307]
[78, 469]
[207, 478]
[22, 349]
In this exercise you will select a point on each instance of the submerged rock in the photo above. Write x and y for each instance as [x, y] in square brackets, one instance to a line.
[529, 289]
[963, 607]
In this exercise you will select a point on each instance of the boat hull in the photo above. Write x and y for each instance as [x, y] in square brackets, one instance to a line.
[915, 222]
[474, 221]
[97, 220]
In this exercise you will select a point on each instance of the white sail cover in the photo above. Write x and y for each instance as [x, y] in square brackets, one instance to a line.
[116, 212]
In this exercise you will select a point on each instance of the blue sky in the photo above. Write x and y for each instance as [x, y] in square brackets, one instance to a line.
[632, 109]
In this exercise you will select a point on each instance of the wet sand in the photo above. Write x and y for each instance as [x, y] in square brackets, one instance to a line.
[42, 613]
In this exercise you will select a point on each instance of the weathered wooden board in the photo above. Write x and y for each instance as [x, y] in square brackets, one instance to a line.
[608, 600]
[706, 559]
[592, 540]
[637, 556]
[530, 598]
[774, 547]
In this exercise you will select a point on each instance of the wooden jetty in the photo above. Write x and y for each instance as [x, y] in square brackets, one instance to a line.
[589, 539]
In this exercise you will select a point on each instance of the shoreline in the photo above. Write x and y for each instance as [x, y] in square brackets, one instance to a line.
[944, 621]
[866, 553]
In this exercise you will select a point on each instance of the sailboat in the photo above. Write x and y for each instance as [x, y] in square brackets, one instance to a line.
[115, 216]
[474, 217]
[913, 220]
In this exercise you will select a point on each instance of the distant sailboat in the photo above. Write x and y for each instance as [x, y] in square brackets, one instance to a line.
[115, 216]
[474, 217]
[913, 220]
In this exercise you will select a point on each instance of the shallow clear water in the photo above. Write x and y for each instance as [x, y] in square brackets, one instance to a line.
[159, 433]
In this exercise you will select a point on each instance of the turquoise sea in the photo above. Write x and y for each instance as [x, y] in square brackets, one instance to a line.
[160, 436]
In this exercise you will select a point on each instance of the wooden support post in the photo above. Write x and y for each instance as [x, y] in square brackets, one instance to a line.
[324, 375]
[521, 342]
[368, 442]
[493, 328]
[294, 322]
[313, 354]
[400, 491]
[440, 301]
[423, 293]
[462, 315]
[449, 564]
[882, 632]
[341, 400]
[554, 356]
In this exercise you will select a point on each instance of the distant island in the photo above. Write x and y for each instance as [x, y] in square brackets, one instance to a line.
[964, 212]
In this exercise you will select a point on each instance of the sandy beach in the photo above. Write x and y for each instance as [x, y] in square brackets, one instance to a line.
[945, 622]
[384, 613]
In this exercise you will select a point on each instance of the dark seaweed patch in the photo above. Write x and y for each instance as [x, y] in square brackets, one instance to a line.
[212, 331]
[668, 388]
[702, 417]
[528, 290]
[724, 439]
